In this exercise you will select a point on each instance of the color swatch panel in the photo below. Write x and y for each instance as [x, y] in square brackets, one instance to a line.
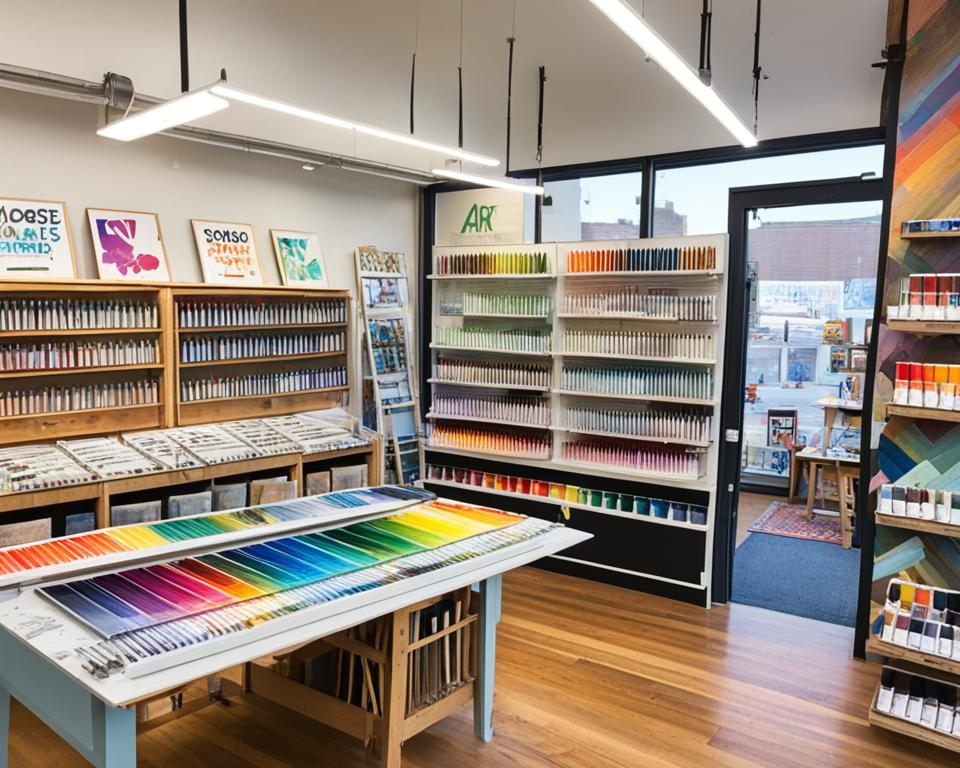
[149, 611]
[143, 537]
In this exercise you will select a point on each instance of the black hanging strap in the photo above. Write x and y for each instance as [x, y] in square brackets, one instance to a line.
[510, 40]
[706, 31]
[184, 53]
[757, 71]
[543, 79]
[413, 83]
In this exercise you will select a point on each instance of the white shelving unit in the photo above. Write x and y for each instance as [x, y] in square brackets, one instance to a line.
[557, 284]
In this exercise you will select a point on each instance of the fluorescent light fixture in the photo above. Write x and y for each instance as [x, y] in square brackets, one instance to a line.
[486, 181]
[183, 109]
[633, 25]
[319, 117]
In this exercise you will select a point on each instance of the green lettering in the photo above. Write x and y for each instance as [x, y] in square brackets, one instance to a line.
[471, 222]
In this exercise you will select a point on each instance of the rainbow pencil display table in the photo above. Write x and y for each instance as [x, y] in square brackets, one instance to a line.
[92, 624]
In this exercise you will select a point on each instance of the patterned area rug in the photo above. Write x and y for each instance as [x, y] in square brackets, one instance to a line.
[783, 519]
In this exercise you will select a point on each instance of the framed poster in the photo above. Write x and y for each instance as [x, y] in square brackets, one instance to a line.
[299, 258]
[35, 240]
[128, 245]
[228, 253]
[782, 427]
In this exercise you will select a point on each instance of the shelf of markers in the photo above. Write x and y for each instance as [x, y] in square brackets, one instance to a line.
[918, 412]
[76, 332]
[270, 395]
[925, 327]
[266, 359]
[918, 524]
[570, 504]
[521, 276]
[57, 414]
[652, 398]
[642, 358]
[482, 385]
[485, 420]
[273, 326]
[893, 651]
[633, 317]
[628, 436]
[648, 273]
[487, 350]
[79, 369]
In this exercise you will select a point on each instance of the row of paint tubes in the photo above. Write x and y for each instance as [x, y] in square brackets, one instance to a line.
[517, 410]
[54, 355]
[196, 349]
[636, 302]
[262, 384]
[506, 304]
[475, 337]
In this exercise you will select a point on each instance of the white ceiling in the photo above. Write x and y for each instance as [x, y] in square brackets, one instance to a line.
[353, 59]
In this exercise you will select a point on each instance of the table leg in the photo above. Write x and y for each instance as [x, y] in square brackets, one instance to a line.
[490, 592]
[811, 487]
[4, 726]
[114, 736]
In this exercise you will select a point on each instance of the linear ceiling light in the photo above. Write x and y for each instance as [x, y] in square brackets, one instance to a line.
[486, 181]
[633, 25]
[319, 117]
[183, 109]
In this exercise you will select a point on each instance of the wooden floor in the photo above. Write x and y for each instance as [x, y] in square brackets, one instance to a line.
[589, 676]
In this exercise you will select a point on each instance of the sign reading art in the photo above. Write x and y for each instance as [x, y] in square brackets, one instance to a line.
[228, 253]
[299, 258]
[127, 245]
[477, 216]
[35, 239]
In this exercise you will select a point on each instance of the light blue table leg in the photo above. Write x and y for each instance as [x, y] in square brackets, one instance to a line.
[490, 592]
[4, 727]
[114, 736]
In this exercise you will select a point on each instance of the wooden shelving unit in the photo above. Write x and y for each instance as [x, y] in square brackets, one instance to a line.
[925, 327]
[912, 412]
[202, 411]
[913, 524]
[892, 651]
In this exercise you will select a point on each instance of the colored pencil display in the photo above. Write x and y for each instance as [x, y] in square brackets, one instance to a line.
[690, 383]
[533, 446]
[517, 410]
[493, 339]
[563, 493]
[653, 423]
[38, 467]
[508, 304]
[674, 259]
[496, 374]
[691, 346]
[639, 456]
[642, 304]
[493, 264]
[88, 547]
[148, 611]
[108, 457]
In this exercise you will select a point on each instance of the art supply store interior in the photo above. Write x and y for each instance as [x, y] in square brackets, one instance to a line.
[429, 383]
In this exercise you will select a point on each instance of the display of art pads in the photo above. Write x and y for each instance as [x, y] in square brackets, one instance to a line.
[128, 245]
[299, 258]
[35, 240]
[228, 253]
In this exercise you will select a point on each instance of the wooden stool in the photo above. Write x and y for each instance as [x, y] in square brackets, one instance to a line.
[822, 471]
[848, 502]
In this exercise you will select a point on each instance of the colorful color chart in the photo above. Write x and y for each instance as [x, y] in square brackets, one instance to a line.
[130, 538]
[160, 608]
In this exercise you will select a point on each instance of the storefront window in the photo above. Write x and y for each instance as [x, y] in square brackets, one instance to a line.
[593, 208]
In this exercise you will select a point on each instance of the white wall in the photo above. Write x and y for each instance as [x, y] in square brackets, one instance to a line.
[353, 58]
[52, 152]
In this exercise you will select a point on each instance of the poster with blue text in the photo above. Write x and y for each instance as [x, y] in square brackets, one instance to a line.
[35, 240]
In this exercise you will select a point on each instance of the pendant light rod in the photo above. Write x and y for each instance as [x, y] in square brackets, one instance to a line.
[184, 50]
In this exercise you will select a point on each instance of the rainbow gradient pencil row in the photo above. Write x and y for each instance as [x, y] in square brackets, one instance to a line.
[139, 538]
[152, 610]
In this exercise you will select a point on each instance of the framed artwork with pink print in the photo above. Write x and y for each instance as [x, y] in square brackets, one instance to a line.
[128, 245]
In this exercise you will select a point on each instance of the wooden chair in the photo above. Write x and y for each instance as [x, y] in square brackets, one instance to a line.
[848, 475]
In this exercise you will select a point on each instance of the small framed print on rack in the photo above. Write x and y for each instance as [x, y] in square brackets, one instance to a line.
[299, 258]
[228, 253]
[128, 245]
[35, 239]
